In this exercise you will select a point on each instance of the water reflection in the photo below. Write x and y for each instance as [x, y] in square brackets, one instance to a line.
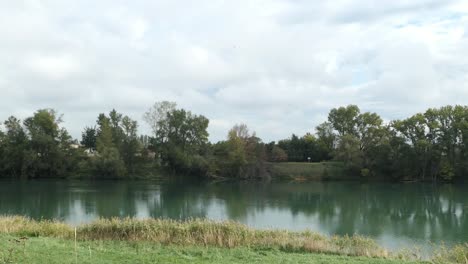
[394, 214]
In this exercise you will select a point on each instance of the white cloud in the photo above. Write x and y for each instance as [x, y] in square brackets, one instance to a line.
[277, 65]
[53, 67]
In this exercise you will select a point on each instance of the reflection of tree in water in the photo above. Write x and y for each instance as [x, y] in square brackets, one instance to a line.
[34, 199]
[419, 211]
[140, 199]
[416, 211]
[60, 200]
[180, 201]
[240, 199]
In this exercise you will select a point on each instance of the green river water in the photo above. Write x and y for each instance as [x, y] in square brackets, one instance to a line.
[396, 215]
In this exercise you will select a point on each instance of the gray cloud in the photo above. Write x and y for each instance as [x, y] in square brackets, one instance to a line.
[277, 65]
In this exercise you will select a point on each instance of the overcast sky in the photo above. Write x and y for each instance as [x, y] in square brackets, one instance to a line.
[276, 65]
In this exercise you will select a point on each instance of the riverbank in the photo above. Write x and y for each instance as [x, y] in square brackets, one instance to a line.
[199, 241]
[44, 250]
[309, 171]
[296, 171]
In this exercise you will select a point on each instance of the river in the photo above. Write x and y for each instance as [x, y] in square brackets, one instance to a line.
[396, 215]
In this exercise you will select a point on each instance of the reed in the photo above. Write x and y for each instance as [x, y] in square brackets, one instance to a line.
[456, 254]
[194, 232]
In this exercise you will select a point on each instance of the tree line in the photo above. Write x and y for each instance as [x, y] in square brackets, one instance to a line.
[429, 146]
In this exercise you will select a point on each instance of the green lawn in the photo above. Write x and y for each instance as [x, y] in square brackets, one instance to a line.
[307, 171]
[54, 250]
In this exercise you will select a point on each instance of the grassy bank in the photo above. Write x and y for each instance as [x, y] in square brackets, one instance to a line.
[194, 233]
[202, 241]
[304, 171]
[52, 250]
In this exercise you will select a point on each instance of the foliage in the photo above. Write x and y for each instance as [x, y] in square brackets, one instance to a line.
[242, 155]
[14, 146]
[429, 146]
[326, 140]
[305, 171]
[426, 146]
[181, 140]
[344, 119]
[278, 154]
[89, 138]
[157, 115]
[117, 145]
[302, 149]
[37, 148]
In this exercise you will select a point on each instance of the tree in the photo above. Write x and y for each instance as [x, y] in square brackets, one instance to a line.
[2, 152]
[130, 145]
[181, 139]
[344, 119]
[14, 144]
[237, 157]
[278, 154]
[88, 138]
[157, 115]
[300, 149]
[117, 144]
[115, 122]
[368, 129]
[326, 140]
[244, 154]
[108, 164]
[49, 145]
[360, 135]
[461, 123]
[413, 130]
[348, 151]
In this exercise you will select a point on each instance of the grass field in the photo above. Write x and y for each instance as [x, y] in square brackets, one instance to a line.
[43, 250]
[195, 241]
[303, 171]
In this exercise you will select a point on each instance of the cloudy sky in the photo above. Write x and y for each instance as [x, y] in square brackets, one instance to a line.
[276, 65]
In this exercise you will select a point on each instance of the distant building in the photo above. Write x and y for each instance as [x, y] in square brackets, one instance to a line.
[75, 146]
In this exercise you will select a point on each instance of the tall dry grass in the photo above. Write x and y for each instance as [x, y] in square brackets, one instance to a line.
[218, 234]
[456, 254]
[194, 232]
[23, 226]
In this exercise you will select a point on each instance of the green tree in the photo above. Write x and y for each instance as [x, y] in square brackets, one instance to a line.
[115, 122]
[348, 151]
[49, 145]
[344, 119]
[181, 140]
[244, 154]
[88, 138]
[300, 149]
[461, 121]
[278, 154]
[14, 144]
[326, 140]
[130, 145]
[360, 136]
[157, 115]
[117, 144]
[108, 163]
[413, 130]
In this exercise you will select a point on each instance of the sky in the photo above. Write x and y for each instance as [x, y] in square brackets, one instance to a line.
[278, 66]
